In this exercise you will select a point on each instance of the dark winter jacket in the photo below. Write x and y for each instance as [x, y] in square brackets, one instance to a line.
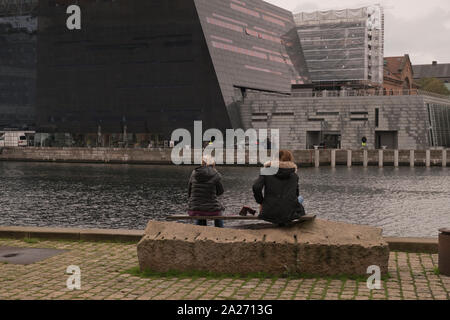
[205, 185]
[281, 191]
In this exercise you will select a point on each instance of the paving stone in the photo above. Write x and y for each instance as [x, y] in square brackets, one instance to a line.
[103, 276]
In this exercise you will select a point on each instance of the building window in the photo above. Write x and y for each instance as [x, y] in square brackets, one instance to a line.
[377, 117]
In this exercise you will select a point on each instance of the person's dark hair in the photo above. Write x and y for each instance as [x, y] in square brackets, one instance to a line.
[286, 156]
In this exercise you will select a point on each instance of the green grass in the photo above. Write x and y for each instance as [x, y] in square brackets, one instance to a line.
[71, 241]
[257, 275]
[436, 271]
[31, 240]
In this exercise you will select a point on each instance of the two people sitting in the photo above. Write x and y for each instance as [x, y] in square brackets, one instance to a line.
[278, 195]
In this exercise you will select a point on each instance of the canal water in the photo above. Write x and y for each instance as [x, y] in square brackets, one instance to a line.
[404, 202]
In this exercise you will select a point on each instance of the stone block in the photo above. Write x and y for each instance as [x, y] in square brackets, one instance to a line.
[320, 248]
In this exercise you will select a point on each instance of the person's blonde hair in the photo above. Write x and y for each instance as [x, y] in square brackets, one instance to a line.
[208, 161]
[286, 156]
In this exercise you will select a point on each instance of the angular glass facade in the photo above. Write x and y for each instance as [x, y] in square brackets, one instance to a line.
[253, 45]
[136, 66]
[150, 66]
[439, 116]
[17, 69]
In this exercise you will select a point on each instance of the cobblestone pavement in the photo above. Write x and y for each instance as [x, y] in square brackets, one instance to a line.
[412, 276]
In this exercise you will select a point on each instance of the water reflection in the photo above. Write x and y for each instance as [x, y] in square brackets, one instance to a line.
[404, 201]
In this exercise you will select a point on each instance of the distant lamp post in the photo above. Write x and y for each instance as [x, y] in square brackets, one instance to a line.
[99, 135]
[125, 135]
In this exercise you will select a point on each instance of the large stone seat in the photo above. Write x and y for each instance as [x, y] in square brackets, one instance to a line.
[316, 248]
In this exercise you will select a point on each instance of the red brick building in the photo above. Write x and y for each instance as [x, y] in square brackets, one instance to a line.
[398, 75]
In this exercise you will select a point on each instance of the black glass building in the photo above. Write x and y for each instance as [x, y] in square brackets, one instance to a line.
[148, 67]
[18, 58]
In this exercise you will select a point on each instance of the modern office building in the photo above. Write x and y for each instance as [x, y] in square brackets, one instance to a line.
[343, 48]
[150, 67]
[18, 42]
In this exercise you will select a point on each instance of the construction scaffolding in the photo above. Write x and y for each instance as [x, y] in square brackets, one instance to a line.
[343, 45]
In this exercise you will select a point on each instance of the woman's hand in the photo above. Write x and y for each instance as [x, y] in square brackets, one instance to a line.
[260, 208]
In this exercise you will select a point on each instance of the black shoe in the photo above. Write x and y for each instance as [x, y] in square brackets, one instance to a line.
[243, 212]
[251, 211]
[246, 210]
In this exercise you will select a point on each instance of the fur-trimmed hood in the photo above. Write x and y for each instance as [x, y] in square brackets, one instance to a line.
[282, 165]
[286, 168]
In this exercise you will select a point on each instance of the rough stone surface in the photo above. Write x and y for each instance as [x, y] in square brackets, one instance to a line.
[317, 248]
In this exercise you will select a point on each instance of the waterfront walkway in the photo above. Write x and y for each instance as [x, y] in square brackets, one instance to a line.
[104, 265]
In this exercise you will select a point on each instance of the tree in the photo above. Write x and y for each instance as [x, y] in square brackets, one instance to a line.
[434, 85]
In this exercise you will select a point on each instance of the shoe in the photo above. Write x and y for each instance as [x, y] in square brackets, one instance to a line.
[246, 210]
[251, 211]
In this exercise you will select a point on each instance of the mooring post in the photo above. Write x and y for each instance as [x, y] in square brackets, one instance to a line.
[366, 159]
[381, 158]
[411, 158]
[333, 158]
[349, 158]
[396, 156]
[428, 159]
[444, 158]
[317, 158]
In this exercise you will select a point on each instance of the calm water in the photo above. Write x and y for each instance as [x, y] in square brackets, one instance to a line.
[404, 202]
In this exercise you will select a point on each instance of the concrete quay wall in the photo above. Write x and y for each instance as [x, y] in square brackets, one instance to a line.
[304, 158]
[87, 155]
[422, 245]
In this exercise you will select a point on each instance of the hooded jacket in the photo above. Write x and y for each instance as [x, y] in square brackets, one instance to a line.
[205, 185]
[281, 191]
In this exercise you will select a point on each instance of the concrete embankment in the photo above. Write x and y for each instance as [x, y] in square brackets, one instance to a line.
[306, 158]
[421, 245]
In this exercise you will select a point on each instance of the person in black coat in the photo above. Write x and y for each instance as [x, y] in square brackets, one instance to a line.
[205, 186]
[280, 199]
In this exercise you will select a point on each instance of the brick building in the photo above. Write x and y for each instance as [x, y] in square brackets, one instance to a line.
[398, 75]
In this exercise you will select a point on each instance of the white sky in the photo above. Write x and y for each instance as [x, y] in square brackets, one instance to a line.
[418, 27]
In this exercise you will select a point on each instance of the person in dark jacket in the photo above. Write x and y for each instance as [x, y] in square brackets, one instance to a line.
[280, 202]
[205, 186]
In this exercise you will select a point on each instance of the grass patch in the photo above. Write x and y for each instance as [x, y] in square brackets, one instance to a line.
[150, 274]
[71, 241]
[436, 271]
[31, 240]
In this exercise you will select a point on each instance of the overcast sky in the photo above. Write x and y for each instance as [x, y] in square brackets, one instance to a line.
[418, 27]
